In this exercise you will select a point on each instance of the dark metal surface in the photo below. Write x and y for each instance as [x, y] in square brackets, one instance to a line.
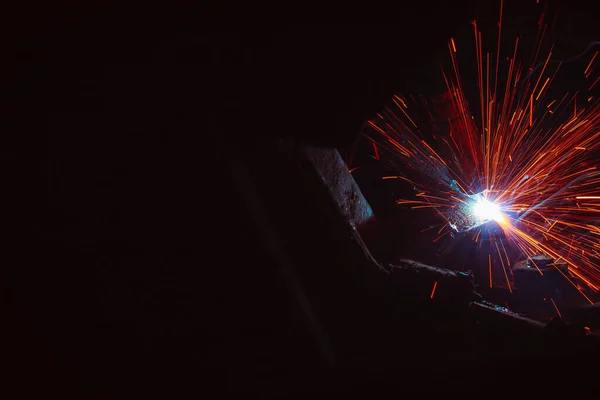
[346, 193]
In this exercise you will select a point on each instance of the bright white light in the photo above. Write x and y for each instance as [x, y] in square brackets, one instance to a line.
[485, 210]
[474, 210]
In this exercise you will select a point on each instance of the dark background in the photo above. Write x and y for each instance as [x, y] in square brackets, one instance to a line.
[131, 264]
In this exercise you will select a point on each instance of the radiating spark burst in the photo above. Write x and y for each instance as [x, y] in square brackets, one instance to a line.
[529, 154]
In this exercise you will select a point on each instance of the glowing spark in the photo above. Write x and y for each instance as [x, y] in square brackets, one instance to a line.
[590, 64]
[503, 268]
[403, 103]
[555, 307]
[433, 291]
[542, 89]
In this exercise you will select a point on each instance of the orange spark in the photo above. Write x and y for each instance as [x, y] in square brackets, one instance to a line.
[433, 291]
[555, 307]
[542, 89]
[590, 64]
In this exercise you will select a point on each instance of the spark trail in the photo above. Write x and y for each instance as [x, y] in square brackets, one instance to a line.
[529, 151]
